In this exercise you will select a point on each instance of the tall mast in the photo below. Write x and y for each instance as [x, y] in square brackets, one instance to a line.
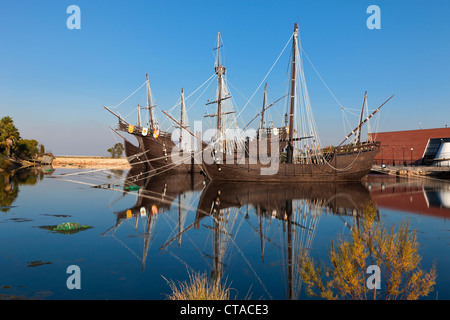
[149, 104]
[182, 107]
[182, 124]
[139, 116]
[220, 71]
[360, 118]
[263, 107]
[290, 147]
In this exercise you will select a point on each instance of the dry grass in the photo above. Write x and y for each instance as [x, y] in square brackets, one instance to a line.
[77, 162]
[198, 288]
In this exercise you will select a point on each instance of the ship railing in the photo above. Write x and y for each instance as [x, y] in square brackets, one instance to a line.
[353, 148]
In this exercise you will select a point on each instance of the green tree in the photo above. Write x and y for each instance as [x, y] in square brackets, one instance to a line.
[26, 149]
[372, 243]
[9, 135]
[41, 149]
[117, 150]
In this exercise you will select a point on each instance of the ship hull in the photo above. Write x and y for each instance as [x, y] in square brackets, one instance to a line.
[159, 152]
[343, 167]
[156, 151]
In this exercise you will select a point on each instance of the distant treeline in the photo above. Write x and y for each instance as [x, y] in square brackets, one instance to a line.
[13, 147]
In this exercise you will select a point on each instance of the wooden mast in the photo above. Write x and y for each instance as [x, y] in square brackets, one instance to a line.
[263, 107]
[182, 108]
[364, 121]
[220, 71]
[182, 124]
[290, 146]
[149, 104]
[360, 118]
[139, 116]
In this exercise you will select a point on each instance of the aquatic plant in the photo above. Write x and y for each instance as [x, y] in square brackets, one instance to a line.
[68, 226]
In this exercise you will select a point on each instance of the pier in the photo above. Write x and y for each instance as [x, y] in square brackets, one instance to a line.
[413, 171]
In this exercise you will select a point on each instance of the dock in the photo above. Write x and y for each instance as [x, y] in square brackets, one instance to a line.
[413, 171]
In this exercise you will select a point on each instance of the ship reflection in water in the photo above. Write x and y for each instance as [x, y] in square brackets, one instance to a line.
[161, 227]
[274, 219]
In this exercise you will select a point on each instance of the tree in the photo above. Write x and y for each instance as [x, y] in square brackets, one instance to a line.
[395, 253]
[26, 149]
[9, 135]
[13, 146]
[41, 149]
[117, 150]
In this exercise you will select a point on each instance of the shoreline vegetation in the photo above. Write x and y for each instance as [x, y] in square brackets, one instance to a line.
[17, 153]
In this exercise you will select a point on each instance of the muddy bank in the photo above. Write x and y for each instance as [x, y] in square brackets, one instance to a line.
[89, 162]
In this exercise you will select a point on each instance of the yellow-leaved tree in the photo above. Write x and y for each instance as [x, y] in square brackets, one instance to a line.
[395, 253]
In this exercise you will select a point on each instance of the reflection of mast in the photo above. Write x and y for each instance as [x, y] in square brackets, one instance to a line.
[156, 195]
[151, 221]
[224, 220]
[181, 220]
[261, 238]
[216, 272]
[289, 247]
[301, 217]
[296, 208]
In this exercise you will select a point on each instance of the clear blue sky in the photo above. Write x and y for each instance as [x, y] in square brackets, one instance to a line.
[54, 81]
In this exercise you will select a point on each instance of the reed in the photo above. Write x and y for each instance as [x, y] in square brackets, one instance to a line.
[199, 287]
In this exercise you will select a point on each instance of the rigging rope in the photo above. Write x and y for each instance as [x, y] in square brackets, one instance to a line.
[130, 95]
[266, 75]
[321, 78]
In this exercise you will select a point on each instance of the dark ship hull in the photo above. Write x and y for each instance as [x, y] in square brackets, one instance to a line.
[156, 152]
[346, 163]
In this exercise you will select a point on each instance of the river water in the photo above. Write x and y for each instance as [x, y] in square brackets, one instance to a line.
[247, 235]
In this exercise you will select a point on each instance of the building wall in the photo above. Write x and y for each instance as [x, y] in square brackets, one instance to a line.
[405, 147]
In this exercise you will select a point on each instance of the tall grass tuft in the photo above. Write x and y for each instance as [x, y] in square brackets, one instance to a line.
[198, 288]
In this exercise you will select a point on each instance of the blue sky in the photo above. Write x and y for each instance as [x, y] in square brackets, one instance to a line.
[54, 81]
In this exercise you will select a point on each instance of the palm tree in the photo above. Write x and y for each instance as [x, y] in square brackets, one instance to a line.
[9, 134]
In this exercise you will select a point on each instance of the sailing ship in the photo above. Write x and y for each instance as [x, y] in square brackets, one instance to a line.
[155, 146]
[299, 156]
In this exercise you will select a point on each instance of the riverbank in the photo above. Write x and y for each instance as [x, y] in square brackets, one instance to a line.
[90, 162]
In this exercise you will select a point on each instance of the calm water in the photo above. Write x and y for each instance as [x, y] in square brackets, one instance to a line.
[246, 234]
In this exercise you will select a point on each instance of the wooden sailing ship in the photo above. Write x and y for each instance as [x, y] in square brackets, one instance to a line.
[155, 146]
[299, 156]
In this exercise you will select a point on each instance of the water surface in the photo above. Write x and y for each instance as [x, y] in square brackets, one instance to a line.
[248, 235]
